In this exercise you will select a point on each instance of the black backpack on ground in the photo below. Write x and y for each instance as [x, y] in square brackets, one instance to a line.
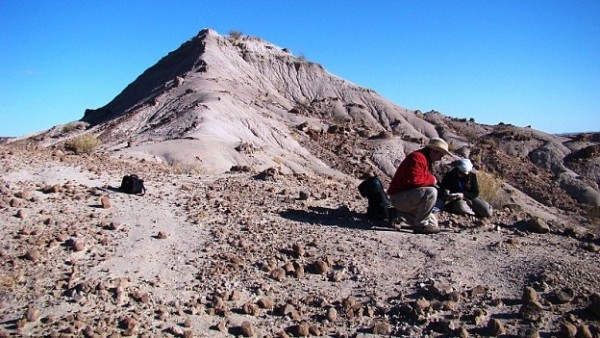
[379, 204]
[132, 184]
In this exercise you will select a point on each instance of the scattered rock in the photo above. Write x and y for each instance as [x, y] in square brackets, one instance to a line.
[32, 314]
[247, 330]
[563, 296]
[75, 244]
[111, 226]
[289, 310]
[301, 330]
[14, 203]
[33, 255]
[26, 195]
[531, 309]
[270, 174]
[222, 326]
[52, 189]
[538, 225]
[105, 202]
[595, 304]
[177, 331]
[495, 327]
[251, 309]
[320, 267]
[381, 328]
[278, 274]
[331, 314]
[246, 230]
[422, 305]
[265, 303]
[298, 250]
[529, 295]
[22, 214]
[298, 271]
[315, 330]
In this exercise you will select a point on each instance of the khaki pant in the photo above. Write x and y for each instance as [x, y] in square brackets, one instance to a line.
[416, 205]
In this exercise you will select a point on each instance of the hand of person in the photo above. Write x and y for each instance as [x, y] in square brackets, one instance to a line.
[457, 196]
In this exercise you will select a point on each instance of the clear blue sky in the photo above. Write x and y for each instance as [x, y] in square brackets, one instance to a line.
[524, 62]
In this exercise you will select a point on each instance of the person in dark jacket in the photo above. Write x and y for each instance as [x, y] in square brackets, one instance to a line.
[412, 190]
[461, 191]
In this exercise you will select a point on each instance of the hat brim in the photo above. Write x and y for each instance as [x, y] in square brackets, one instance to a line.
[439, 149]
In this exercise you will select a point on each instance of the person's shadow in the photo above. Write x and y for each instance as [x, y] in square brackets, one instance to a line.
[341, 217]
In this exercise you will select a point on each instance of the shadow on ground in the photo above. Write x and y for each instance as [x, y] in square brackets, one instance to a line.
[341, 217]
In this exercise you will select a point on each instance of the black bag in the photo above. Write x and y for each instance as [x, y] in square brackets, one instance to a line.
[379, 204]
[132, 184]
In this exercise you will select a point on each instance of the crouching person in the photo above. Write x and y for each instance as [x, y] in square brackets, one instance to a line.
[462, 191]
[412, 190]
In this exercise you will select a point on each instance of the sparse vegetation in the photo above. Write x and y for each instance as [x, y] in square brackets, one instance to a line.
[187, 168]
[235, 34]
[78, 125]
[69, 127]
[340, 118]
[476, 158]
[489, 188]
[470, 135]
[452, 146]
[83, 144]
[277, 160]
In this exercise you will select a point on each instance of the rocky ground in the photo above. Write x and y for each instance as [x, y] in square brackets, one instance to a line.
[268, 254]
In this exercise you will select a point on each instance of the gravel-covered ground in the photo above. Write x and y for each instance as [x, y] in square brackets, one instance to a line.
[267, 255]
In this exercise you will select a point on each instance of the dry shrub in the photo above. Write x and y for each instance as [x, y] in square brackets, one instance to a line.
[187, 168]
[83, 144]
[451, 146]
[69, 128]
[7, 282]
[476, 158]
[278, 160]
[235, 34]
[490, 188]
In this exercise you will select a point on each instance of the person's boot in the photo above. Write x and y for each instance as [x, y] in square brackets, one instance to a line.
[426, 229]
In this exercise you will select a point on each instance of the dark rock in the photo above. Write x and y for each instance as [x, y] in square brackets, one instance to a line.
[595, 304]
[538, 225]
[495, 327]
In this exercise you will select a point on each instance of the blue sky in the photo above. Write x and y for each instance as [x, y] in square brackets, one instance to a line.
[524, 62]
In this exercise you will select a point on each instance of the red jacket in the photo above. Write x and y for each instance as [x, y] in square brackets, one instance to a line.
[413, 172]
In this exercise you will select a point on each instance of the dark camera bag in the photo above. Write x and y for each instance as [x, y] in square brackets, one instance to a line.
[132, 184]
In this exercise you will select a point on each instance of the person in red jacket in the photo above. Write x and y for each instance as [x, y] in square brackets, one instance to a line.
[412, 190]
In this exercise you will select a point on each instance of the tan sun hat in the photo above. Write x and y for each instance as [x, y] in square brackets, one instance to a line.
[438, 144]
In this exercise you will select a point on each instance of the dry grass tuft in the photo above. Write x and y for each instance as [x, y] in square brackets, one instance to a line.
[83, 144]
[181, 168]
[490, 188]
